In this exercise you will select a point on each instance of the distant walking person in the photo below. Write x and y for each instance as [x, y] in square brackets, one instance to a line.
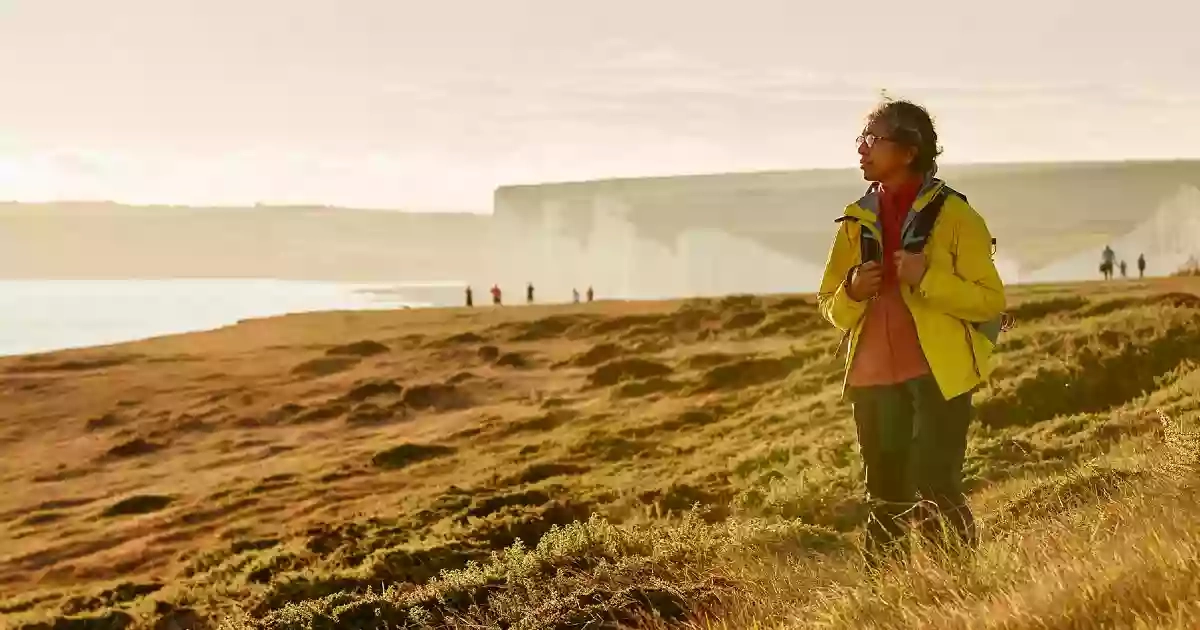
[1122, 268]
[575, 295]
[470, 297]
[529, 293]
[496, 295]
[1108, 260]
[1141, 266]
[590, 294]
[914, 294]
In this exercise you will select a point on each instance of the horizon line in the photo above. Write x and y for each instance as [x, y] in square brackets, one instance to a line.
[259, 205]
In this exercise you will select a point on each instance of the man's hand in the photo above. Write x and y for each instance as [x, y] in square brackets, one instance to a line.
[910, 268]
[865, 281]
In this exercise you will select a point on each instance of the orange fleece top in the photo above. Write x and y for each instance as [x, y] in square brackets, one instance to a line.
[888, 350]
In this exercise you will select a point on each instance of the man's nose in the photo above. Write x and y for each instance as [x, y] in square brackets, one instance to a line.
[863, 149]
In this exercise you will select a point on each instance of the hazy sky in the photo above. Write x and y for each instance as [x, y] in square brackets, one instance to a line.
[431, 104]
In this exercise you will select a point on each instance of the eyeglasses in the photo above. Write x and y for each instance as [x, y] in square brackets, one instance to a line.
[869, 139]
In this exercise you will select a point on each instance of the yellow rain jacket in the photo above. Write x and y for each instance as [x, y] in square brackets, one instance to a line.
[961, 288]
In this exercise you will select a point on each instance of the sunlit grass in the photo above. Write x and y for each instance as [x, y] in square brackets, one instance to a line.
[719, 497]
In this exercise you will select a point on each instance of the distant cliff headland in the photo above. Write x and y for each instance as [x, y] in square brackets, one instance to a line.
[646, 237]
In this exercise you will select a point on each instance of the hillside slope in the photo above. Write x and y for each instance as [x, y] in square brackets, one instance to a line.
[588, 465]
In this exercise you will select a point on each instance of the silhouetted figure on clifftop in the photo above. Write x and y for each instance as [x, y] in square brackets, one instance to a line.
[1141, 266]
[1107, 261]
[470, 298]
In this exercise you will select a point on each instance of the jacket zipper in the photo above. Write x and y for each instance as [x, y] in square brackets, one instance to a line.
[838, 350]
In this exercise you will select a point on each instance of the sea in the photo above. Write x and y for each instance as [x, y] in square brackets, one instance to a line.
[46, 315]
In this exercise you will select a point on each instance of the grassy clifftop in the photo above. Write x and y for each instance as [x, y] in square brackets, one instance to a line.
[684, 463]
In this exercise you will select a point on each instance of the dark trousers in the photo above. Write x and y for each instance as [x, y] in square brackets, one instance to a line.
[913, 442]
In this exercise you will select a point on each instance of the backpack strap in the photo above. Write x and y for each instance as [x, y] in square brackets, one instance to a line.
[869, 249]
[916, 233]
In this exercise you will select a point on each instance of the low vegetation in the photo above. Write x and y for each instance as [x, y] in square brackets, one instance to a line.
[648, 465]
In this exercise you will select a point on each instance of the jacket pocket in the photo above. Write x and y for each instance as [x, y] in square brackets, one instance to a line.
[971, 346]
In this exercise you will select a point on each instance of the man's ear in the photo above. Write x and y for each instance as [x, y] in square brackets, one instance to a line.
[912, 155]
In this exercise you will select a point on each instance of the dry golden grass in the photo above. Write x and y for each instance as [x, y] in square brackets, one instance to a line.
[662, 464]
[1105, 548]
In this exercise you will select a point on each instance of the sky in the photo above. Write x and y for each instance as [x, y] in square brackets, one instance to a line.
[425, 105]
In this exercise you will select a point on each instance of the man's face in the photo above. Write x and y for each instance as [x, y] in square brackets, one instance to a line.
[881, 158]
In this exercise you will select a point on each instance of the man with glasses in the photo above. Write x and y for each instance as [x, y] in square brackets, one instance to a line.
[915, 319]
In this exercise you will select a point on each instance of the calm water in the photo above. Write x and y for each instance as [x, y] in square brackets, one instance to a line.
[41, 315]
